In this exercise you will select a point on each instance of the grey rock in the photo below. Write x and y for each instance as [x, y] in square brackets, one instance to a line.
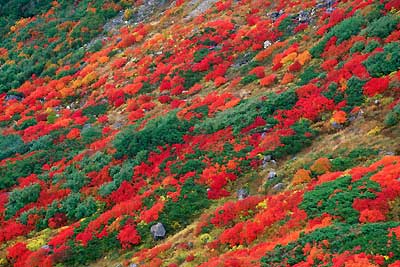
[272, 174]
[275, 15]
[267, 44]
[242, 193]
[158, 231]
[278, 187]
[14, 97]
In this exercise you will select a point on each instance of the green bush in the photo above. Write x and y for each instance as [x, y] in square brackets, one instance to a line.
[243, 114]
[307, 75]
[295, 143]
[200, 54]
[346, 29]
[385, 62]
[371, 45]
[90, 134]
[393, 117]
[354, 93]
[158, 132]
[382, 27]
[343, 31]
[336, 198]
[74, 179]
[95, 110]
[22, 168]
[25, 124]
[76, 207]
[191, 77]
[192, 200]
[372, 238]
[18, 198]
[248, 79]
[333, 93]
[10, 145]
[357, 47]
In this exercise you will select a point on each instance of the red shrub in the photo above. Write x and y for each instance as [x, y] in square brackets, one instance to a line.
[371, 216]
[296, 66]
[268, 80]
[258, 71]
[376, 86]
[128, 236]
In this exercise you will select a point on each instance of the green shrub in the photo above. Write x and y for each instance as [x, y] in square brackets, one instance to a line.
[192, 200]
[307, 75]
[243, 114]
[336, 198]
[372, 238]
[200, 54]
[346, 28]
[18, 198]
[382, 27]
[393, 117]
[191, 165]
[191, 77]
[10, 145]
[371, 45]
[248, 79]
[74, 179]
[91, 133]
[357, 47]
[295, 143]
[25, 124]
[22, 168]
[158, 132]
[383, 63]
[76, 207]
[95, 110]
[354, 93]
[333, 93]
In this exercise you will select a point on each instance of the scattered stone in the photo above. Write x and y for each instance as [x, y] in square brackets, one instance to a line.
[133, 265]
[304, 16]
[336, 125]
[243, 60]
[267, 44]
[119, 265]
[86, 126]
[325, 4]
[271, 175]
[46, 247]
[275, 15]
[278, 187]
[263, 135]
[242, 193]
[14, 97]
[158, 231]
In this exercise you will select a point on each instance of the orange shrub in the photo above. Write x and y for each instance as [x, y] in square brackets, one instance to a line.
[287, 78]
[321, 166]
[268, 80]
[339, 117]
[301, 176]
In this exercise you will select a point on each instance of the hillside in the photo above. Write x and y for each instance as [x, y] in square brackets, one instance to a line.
[200, 133]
